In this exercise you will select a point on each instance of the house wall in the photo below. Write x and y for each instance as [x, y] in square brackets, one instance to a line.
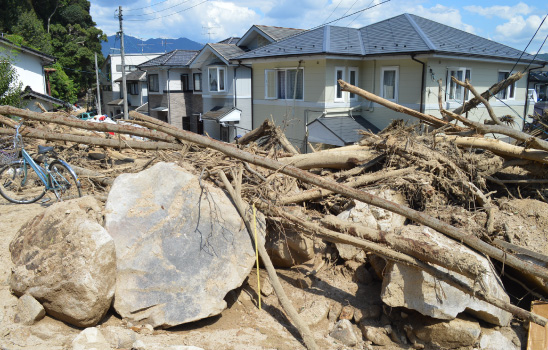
[183, 105]
[28, 67]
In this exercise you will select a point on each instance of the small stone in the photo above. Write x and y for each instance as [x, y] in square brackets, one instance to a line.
[495, 340]
[347, 313]
[371, 311]
[344, 333]
[119, 337]
[266, 287]
[334, 312]
[138, 345]
[460, 332]
[316, 312]
[90, 339]
[376, 334]
[29, 310]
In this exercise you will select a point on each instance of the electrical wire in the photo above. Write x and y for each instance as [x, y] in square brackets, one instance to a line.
[352, 14]
[332, 12]
[350, 8]
[541, 23]
[174, 13]
[153, 12]
[145, 7]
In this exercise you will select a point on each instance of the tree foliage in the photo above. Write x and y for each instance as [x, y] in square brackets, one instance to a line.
[62, 28]
[10, 86]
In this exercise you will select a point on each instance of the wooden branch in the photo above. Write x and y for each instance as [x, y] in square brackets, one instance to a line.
[427, 118]
[305, 176]
[75, 123]
[315, 230]
[96, 141]
[317, 193]
[266, 127]
[302, 327]
[493, 90]
[498, 147]
[333, 159]
[287, 146]
[100, 178]
[469, 86]
[530, 140]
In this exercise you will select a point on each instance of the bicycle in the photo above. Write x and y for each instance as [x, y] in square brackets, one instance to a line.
[23, 181]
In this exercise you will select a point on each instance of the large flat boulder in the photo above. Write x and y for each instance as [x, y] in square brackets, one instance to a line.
[66, 260]
[180, 247]
[409, 287]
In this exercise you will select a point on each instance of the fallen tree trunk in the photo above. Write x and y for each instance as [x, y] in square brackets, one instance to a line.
[317, 193]
[96, 141]
[498, 147]
[303, 329]
[334, 160]
[427, 220]
[315, 230]
[427, 118]
[266, 127]
[75, 123]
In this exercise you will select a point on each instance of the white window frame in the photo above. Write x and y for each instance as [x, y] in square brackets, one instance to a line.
[277, 71]
[397, 83]
[510, 89]
[153, 78]
[268, 96]
[357, 72]
[218, 80]
[449, 83]
[337, 86]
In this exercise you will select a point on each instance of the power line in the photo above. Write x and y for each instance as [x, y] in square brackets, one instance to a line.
[174, 13]
[352, 14]
[145, 7]
[541, 23]
[332, 12]
[350, 8]
[153, 12]
[355, 18]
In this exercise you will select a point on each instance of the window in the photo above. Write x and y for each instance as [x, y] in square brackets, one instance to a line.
[133, 88]
[197, 81]
[217, 78]
[284, 84]
[389, 83]
[353, 80]
[129, 68]
[453, 91]
[510, 91]
[184, 82]
[153, 84]
[339, 74]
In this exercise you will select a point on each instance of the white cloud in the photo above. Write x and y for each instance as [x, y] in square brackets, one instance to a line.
[504, 12]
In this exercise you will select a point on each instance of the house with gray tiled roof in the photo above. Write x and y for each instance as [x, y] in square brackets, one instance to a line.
[226, 93]
[174, 89]
[401, 59]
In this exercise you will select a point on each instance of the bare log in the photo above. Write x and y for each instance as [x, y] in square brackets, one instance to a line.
[493, 90]
[75, 123]
[498, 147]
[490, 111]
[333, 159]
[305, 176]
[317, 193]
[266, 127]
[100, 178]
[427, 118]
[315, 230]
[287, 146]
[303, 329]
[96, 141]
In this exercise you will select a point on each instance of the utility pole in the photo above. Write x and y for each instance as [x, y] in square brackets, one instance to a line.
[98, 87]
[124, 87]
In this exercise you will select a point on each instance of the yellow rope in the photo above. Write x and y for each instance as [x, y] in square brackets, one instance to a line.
[257, 254]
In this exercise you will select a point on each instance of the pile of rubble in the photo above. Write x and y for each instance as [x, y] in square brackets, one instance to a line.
[450, 226]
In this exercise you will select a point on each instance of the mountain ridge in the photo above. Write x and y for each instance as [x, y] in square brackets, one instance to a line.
[153, 45]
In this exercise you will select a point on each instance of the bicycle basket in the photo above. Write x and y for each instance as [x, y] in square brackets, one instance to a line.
[8, 153]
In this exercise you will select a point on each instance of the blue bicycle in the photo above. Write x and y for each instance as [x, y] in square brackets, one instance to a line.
[23, 181]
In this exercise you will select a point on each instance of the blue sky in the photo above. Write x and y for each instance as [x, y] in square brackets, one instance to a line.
[509, 22]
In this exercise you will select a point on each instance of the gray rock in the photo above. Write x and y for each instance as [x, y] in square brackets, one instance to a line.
[139, 345]
[119, 337]
[180, 247]
[457, 333]
[377, 335]
[344, 333]
[375, 217]
[495, 340]
[90, 339]
[29, 310]
[66, 260]
[315, 312]
[415, 289]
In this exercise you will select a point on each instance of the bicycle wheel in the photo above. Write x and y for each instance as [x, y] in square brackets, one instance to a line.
[20, 184]
[63, 182]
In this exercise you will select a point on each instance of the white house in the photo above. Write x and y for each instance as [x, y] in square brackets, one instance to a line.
[29, 65]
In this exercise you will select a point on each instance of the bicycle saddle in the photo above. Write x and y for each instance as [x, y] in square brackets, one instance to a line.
[44, 149]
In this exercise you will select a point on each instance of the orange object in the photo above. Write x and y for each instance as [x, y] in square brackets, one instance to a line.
[538, 335]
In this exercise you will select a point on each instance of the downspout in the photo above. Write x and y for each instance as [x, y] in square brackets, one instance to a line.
[168, 99]
[527, 94]
[421, 108]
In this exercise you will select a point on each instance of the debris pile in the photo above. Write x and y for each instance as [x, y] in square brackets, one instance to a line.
[448, 224]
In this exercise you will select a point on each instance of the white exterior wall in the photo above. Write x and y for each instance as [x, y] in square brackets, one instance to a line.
[130, 60]
[29, 68]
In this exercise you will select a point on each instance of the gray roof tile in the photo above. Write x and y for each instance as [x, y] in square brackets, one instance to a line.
[278, 33]
[227, 51]
[178, 58]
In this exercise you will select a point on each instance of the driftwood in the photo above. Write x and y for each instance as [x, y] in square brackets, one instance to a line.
[342, 159]
[303, 329]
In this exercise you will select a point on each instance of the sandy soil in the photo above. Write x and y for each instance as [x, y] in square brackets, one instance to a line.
[241, 326]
